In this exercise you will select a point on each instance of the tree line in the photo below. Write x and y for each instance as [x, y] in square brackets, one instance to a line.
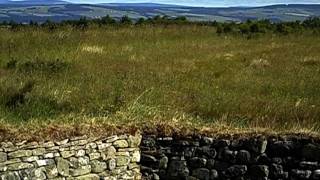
[247, 27]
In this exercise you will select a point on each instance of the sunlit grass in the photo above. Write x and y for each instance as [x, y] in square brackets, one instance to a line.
[152, 75]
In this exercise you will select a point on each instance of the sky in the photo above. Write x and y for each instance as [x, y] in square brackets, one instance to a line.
[206, 3]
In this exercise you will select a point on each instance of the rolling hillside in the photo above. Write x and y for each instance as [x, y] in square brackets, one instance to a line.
[41, 10]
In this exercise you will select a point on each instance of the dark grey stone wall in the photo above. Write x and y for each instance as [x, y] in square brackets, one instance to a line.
[252, 158]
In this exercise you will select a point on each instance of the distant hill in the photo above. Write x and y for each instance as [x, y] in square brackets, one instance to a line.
[33, 2]
[57, 10]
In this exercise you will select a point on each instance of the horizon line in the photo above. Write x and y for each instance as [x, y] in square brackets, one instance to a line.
[170, 4]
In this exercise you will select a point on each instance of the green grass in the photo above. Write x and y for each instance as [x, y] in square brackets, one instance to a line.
[177, 74]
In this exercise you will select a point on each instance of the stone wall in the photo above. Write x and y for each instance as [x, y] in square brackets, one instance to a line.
[84, 158]
[243, 158]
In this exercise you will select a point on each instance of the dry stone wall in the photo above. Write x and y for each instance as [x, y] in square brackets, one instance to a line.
[253, 158]
[153, 158]
[80, 158]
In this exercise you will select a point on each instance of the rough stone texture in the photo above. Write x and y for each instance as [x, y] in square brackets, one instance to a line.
[80, 158]
[251, 158]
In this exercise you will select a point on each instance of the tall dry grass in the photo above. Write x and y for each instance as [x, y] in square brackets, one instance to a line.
[161, 74]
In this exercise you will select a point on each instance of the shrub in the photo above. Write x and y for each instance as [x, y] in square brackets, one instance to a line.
[126, 20]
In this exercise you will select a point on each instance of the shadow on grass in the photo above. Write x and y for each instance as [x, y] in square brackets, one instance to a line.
[20, 105]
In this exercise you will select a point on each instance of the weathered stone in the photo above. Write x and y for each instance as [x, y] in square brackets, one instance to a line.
[206, 151]
[281, 148]
[308, 165]
[76, 148]
[45, 162]
[276, 160]
[122, 154]
[67, 154]
[136, 156]
[205, 141]
[222, 143]
[11, 161]
[259, 171]
[54, 148]
[63, 142]
[104, 146]
[258, 146]
[134, 141]
[62, 166]
[38, 151]
[32, 145]
[83, 170]
[178, 169]
[26, 173]
[77, 162]
[48, 144]
[220, 165]
[228, 155]
[316, 174]
[88, 177]
[94, 156]
[122, 160]
[79, 142]
[38, 174]
[235, 171]
[201, 173]
[20, 153]
[214, 174]
[197, 162]
[10, 176]
[112, 164]
[263, 159]
[149, 160]
[210, 163]
[276, 172]
[80, 153]
[98, 166]
[51, 155]
[300, 174]
[3, 168]
[30, 159]
[51, 171]
[120, 144]
[163, 163]
[243, 157]
[91, 145]
[48, 155]
[19, 166]
[3, 157]
[109, 153]
[133, 166]
[128, 149]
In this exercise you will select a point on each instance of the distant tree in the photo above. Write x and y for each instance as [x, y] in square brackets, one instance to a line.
[33, 23]
[141, 21]
[5, 23]
[282, 28]
[126, 20]
[49, 24]
[180, 19]
[313, 22]
[83, 23]
[219, 29]
[107, 20]
[228, 28]
[245, 28]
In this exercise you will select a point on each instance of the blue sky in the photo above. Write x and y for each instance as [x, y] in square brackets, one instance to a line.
[212, 3]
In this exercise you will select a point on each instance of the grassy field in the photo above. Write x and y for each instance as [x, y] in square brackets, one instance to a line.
[187, 76]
